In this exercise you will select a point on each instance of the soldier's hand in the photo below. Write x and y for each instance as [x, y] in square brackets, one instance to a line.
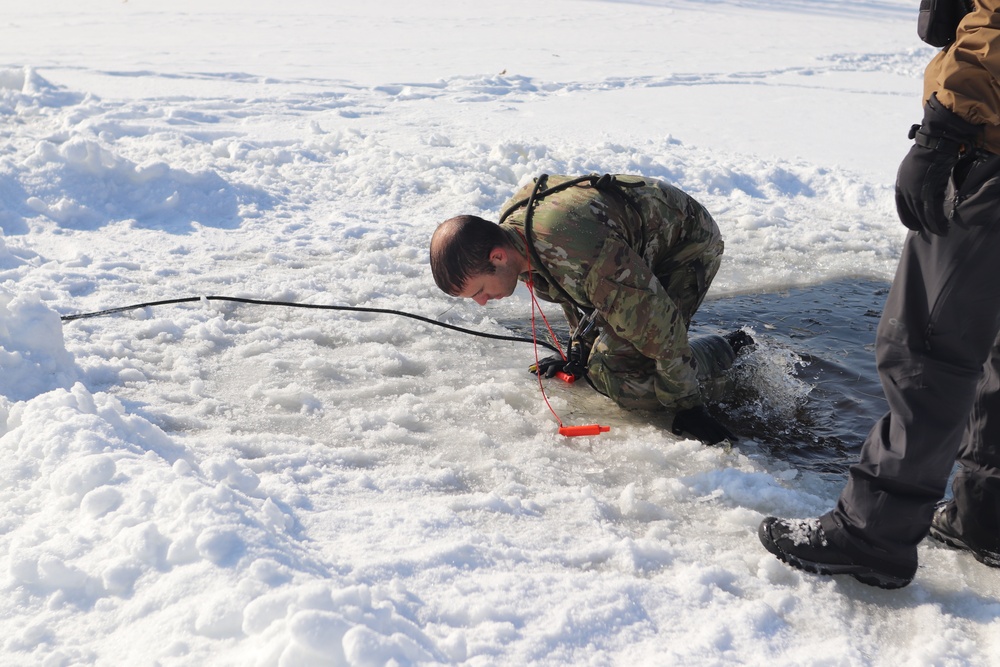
[548, 366]
[573, 364]
[697, 423]
[923, 174]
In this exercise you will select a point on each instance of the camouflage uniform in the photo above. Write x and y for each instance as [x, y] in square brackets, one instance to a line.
[643, 257]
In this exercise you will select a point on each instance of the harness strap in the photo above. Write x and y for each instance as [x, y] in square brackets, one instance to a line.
[605, 183]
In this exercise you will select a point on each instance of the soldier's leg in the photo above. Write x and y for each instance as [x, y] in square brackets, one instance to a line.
[713, 356]
[940, 321]
[688, 283]
[687, 277]
[616, 369]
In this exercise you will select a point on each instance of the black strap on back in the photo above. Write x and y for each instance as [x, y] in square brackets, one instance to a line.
[605, 183]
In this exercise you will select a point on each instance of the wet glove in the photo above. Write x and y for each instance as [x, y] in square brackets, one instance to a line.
[923, 174]
[573, 364]
[703, 426]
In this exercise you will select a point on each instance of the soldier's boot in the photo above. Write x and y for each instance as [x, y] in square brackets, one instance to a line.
[714, 355]
[944, 530]
[738, 340]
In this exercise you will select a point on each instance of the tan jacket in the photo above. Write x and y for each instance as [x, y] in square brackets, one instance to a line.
[966, 74]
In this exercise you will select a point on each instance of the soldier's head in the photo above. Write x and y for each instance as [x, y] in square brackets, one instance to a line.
[471, 258]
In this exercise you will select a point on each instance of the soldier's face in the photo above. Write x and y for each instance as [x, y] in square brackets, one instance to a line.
[486, 287]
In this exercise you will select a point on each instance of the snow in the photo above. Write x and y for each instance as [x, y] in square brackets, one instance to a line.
[216, 484]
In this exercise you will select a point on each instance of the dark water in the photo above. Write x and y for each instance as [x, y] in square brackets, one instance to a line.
[814, 412]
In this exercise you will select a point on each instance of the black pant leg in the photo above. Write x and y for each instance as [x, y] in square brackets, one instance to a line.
[976, 487]
[937, 330]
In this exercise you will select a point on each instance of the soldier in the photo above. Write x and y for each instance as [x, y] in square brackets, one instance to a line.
[634, 254]
[938, 342]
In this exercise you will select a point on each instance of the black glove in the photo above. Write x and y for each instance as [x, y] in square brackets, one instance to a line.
[923, 175]
[573, 364]
[703, 426]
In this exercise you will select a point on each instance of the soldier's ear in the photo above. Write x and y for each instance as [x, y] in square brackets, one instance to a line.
[498, 255]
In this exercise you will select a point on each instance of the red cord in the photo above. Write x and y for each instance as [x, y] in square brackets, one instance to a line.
[568, 431]
[534, 338]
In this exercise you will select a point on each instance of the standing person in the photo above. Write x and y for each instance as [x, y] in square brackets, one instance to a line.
[937, 343]
[635, 255]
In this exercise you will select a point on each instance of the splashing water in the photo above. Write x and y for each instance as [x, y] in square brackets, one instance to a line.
[808, 390]
[765, 386]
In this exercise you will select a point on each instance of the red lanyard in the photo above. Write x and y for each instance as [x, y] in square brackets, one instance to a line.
[568, 431]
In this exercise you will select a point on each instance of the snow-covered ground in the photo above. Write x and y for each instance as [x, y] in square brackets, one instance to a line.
[215, 484]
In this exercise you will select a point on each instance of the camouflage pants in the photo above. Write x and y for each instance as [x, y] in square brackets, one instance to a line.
[633, 381]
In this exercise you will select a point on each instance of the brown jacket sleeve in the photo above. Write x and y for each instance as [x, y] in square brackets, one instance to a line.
[966, 74]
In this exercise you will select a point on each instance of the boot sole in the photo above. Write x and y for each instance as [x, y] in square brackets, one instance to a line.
[987, 558]
[865, 575]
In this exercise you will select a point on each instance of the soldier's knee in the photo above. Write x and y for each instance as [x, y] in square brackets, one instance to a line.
[625, 389]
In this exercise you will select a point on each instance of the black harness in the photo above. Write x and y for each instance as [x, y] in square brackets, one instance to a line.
[605, 184]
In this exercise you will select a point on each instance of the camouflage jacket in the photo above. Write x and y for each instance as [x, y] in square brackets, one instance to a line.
[620, 257]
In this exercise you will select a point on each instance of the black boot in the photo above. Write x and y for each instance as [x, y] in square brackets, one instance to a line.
[803, 544]
[943, 530]
[738, 340]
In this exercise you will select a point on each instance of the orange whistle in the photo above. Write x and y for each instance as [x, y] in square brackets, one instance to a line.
[588, 429]
[566, 377]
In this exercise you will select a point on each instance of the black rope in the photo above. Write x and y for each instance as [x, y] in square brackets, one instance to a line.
[315, 306]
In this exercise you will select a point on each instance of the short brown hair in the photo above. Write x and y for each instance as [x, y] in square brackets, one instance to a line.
[460, 249]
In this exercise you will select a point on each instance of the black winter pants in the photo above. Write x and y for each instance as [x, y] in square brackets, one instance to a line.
[939, 362]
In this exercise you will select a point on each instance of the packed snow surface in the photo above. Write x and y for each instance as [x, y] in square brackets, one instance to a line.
[217, 484]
